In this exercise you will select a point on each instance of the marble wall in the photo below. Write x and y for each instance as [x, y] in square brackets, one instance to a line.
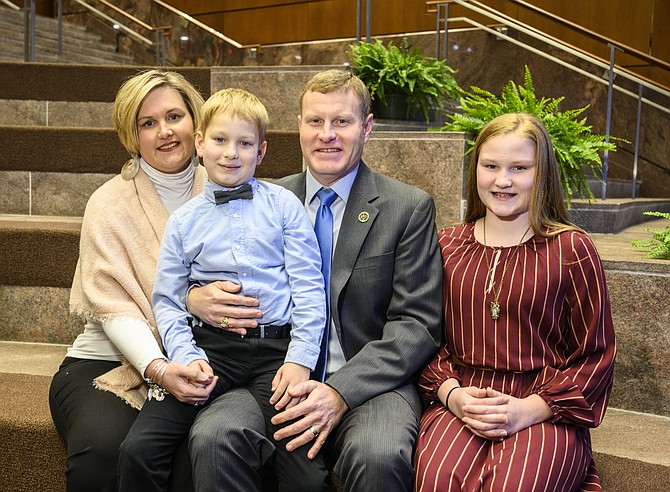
[639, 297]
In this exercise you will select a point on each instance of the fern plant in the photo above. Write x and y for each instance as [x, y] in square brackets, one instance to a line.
[424, 81]
[575, 145]
[658, 246]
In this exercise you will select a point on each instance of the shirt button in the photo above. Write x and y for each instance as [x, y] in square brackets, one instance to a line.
[244, 274]
[235, 216]
[237, 247]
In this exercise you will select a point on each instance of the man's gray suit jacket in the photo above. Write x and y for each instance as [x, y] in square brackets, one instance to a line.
[385, 288]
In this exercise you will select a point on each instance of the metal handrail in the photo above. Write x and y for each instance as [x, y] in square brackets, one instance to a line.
[611, 68]
[126, 30]
[133, 18]
[10, 5]
[199, 24]
[593, 35]
[434, 4]
[158, 44]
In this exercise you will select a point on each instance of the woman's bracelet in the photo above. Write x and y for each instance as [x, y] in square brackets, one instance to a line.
[155, 380]
[446, 400]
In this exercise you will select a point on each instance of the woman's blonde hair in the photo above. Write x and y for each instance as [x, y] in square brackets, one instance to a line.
[547, 212]
[132, 93]
[236, 103]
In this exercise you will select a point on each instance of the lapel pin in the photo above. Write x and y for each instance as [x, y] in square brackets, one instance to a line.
[363, 217]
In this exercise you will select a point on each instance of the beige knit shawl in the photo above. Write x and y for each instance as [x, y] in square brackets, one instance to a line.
[118, 251]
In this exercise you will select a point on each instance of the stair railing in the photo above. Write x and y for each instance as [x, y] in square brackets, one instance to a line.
[9, 4]
[29, 49]
[199, 24]
[160, 31]
[441, 8]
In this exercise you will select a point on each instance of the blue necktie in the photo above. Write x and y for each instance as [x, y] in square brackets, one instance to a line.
[323, 226]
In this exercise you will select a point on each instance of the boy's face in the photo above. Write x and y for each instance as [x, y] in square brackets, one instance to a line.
[230, 150]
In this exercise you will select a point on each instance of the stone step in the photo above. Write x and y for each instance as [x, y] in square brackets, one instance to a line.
[82, 49]
[615, 214]
[50, 39]
[79, 46]
[15, 52]
[15, 19]
[79, 83]
[630, 448]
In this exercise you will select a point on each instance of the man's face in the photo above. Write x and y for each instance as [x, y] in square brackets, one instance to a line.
[332, 134]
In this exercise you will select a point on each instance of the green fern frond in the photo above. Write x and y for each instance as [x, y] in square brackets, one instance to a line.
[575, 145]
[658, 246]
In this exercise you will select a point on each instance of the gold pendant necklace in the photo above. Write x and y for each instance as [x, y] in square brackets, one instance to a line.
[495, 305]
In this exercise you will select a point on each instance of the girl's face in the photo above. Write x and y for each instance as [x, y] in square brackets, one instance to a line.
[165, 130]
[505, 175]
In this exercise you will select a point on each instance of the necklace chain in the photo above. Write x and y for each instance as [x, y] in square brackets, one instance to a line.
[495, 305]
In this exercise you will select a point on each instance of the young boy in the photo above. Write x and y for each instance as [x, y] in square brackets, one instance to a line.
[253, 233]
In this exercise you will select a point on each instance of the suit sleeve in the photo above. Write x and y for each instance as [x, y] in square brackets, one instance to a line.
[413, 316]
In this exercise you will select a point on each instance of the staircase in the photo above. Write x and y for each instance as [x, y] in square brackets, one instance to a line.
[79, 47]
[59, 146]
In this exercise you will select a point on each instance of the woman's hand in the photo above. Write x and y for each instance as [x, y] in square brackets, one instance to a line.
[495, 415]
[189, 384]
[218, 300]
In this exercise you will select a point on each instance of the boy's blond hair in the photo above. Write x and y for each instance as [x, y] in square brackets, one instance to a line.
[236, 103]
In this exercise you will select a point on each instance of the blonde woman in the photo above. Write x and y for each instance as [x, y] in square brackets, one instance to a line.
[100, 387]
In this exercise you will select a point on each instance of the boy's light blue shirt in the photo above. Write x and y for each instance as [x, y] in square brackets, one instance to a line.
[266, 244]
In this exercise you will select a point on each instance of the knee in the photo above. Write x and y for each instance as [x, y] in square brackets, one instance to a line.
[94, 466]
[207, 433]
[130, 449]
[378, 457]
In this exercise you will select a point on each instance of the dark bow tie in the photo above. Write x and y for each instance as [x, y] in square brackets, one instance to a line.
[244, 192]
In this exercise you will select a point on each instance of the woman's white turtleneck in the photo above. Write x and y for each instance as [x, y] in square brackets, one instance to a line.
[174, 190]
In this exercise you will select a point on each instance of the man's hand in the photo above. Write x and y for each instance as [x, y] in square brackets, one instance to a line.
[218, 300]
[318, 415]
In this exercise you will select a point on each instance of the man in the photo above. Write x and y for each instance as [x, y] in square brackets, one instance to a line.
[385, 308]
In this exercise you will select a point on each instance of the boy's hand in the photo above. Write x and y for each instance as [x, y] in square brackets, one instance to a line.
[286, 378]
[206, 373]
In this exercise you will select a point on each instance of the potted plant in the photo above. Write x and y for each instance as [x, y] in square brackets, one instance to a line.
[575, 145]
[399, 75]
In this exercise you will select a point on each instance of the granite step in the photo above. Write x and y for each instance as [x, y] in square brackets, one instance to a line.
[630, 448]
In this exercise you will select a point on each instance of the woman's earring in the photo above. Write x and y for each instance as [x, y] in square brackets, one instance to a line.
[130, 168]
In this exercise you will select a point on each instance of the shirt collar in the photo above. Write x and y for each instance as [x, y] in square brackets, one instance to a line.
[342, 186]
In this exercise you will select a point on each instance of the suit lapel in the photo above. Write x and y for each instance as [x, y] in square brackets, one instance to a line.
[359, 215]
[296, 184]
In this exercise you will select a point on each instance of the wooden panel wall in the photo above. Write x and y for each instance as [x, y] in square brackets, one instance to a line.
[641, 24]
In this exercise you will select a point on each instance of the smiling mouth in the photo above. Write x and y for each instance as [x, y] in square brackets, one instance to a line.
[169, 146]
[328, 151]
[503, 195]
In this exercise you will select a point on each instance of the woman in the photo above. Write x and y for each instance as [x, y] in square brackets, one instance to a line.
[528, 356]
[100, 386]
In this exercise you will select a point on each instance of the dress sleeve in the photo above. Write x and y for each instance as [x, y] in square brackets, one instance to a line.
[436, 373]
[578, 390]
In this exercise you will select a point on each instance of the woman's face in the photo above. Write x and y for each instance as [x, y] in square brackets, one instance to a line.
[505, 175]
[165, 130]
